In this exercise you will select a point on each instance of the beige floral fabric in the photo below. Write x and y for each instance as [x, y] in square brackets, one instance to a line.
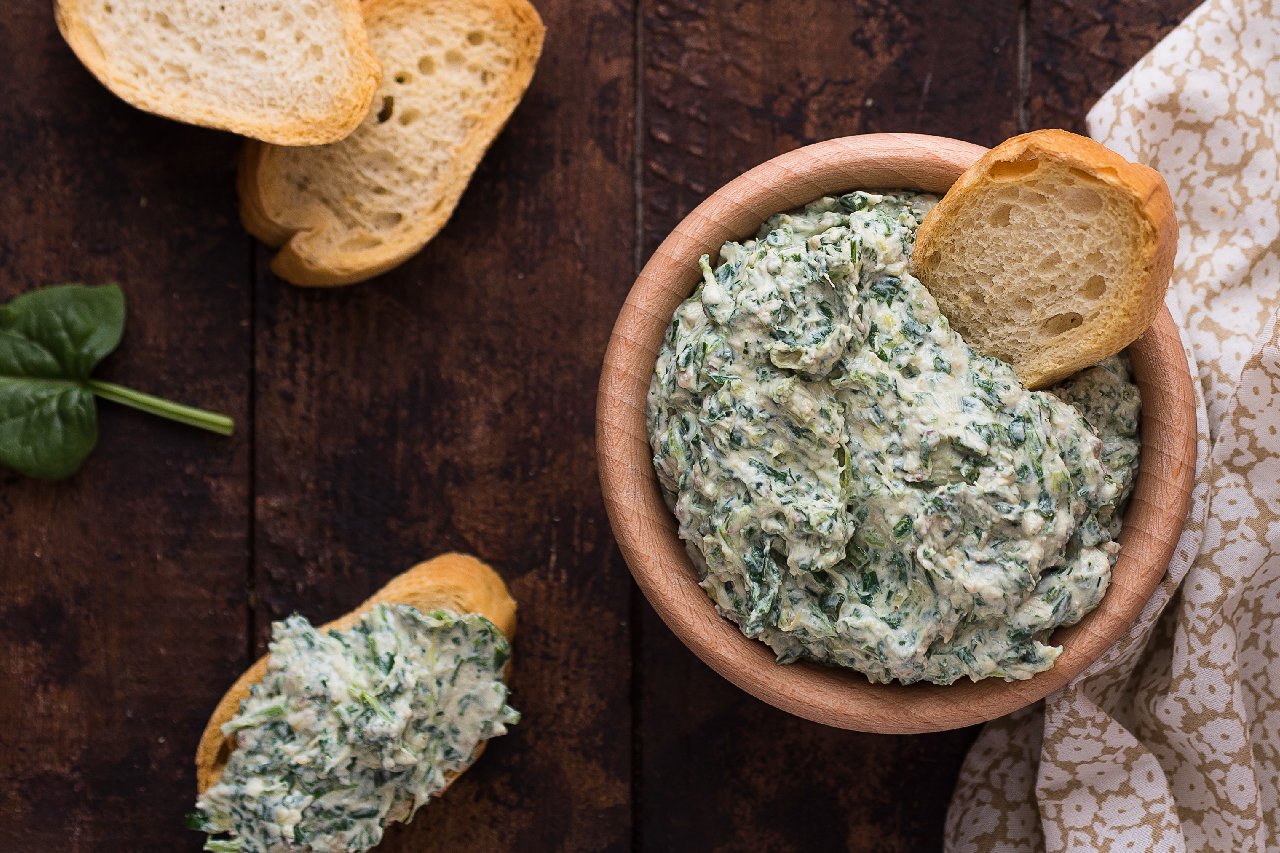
[1171, 741]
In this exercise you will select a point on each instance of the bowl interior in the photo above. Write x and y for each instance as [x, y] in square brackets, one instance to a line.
[646, 531]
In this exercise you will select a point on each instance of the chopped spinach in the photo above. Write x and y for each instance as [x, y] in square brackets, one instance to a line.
[841, 463]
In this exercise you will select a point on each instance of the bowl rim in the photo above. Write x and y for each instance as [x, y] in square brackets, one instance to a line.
[646, 531]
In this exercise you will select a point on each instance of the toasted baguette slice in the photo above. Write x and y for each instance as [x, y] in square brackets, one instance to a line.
[453, 582]
[455, 70]
[1051, 253]
[296, 73]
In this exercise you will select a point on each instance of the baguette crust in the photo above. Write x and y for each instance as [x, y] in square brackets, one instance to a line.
[329, 208]
[453, 582]
[1074, 275]
[334, 109]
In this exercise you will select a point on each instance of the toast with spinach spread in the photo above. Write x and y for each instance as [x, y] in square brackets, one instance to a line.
[345, 728]
[1050, 253]
[342, 213]
[291, 74]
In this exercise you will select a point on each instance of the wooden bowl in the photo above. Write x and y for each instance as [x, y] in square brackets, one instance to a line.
[646, 531]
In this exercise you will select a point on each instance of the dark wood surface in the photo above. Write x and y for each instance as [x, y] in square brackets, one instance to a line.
[449, 405]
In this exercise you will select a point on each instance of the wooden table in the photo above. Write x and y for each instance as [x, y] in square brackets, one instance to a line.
[450, 405]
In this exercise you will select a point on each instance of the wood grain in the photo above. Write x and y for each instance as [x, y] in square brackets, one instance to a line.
[1076, 50]
[729, 85]
[106, 576]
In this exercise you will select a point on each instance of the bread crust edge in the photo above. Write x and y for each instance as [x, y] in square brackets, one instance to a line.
[253, 212]
[456, 582]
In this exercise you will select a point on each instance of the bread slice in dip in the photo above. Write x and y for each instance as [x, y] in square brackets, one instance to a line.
[451, 582]
[1051, 253]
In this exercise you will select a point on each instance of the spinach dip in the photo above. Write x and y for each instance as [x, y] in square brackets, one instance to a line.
[351, 729]
[855, 484]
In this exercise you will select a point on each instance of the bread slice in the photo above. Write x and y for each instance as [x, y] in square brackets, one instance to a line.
[453, 582]
[1051, 253]
[292, 73]
[455, 70]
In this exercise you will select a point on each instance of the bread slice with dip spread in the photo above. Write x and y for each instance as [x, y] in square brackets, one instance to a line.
[342, 213]
[298, 73]
[446, 594]
[1051, 253]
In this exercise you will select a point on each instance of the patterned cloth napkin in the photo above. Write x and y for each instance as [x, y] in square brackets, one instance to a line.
[1171, 741]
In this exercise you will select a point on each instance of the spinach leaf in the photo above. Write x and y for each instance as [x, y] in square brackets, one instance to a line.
[50, 341]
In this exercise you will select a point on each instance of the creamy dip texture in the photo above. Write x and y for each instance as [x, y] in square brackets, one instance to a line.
[855, 484]
[351, 729]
